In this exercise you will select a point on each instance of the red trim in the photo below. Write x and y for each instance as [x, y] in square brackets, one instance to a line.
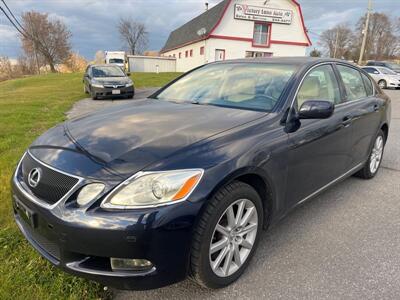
[289, 43]
[210, 34]
[231, 38]
[269, 26]
[234, 38]
[302, 22]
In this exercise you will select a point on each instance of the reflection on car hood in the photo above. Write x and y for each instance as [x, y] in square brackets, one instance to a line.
[129, 137]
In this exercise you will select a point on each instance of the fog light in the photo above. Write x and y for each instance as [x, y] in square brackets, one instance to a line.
[122, 264]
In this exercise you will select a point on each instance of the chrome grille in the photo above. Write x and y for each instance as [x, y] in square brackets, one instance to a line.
[53, 185]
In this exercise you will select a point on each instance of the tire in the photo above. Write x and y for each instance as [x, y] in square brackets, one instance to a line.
[370, 170]
[234, 195]
[382, 84]
[93, 96]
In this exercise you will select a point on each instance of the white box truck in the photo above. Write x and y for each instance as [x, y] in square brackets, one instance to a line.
[117, 58]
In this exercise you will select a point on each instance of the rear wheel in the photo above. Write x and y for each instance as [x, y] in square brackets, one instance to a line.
[382, 84]
[85, 89]
[373, 164]
[93, 95]
[226, 236]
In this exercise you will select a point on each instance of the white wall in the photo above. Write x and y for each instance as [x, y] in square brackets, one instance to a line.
[149, 64]
[231, 27]
[187, 63]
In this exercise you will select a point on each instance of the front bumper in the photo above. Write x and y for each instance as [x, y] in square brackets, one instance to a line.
[81, 242]
[108, 92]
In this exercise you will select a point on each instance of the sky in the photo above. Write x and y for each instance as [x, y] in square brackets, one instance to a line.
[93, 22]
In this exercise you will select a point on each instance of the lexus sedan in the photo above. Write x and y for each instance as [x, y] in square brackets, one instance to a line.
[107, 81]
[183, 183]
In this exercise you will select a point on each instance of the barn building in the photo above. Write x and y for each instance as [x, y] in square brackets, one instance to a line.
[239, 29]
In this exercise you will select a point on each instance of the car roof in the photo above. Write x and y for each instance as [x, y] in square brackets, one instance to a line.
[299, 61]
[103, 65]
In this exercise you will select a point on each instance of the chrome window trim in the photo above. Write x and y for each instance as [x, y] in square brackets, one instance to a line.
[33, 198]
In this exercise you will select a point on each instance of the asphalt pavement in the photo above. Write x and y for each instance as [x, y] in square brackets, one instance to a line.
[344, 244]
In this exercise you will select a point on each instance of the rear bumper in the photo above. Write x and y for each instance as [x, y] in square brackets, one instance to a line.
[82, 242]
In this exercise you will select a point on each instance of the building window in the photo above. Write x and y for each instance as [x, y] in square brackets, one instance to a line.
[191, 53]
[180, 55]
[186, 53]
[262, 34]
[201, 50]
[174, 55]
[253, 54]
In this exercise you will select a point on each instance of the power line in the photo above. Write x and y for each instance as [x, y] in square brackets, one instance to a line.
[12, 22]
[11, 13]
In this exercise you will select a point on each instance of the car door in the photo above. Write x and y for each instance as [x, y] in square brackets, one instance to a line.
[318, 149]
[365, 111]
[86, 78]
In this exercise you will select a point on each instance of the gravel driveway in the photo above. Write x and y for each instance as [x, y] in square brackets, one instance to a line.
[344, 244]
[88, 105]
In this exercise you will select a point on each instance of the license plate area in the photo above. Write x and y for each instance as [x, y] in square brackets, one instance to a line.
[116, 92]
[26, 213]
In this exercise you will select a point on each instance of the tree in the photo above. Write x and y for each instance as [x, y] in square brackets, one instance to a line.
[337, 42]
[382, 42]
[133, 34]
[100, 57]
[315, 53]
[48, 41]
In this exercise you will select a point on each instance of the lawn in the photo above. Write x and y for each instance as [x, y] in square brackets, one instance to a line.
[28, 107]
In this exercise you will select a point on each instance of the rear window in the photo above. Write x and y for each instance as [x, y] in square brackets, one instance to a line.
[353, 83]
[368, 85]
[252, 86]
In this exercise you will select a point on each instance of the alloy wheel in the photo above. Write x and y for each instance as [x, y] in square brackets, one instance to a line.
[233, 238]
[376, 155]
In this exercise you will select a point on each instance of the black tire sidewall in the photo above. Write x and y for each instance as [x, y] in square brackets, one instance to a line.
[208, 276]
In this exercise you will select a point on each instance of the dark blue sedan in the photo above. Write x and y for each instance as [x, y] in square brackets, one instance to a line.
[183, 183]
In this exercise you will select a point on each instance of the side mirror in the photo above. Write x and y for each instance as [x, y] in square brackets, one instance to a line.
[316, 109]
[376, 72]
[128, 74]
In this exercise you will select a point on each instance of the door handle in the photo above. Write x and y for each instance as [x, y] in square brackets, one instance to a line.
[347, 121]
[376, 107]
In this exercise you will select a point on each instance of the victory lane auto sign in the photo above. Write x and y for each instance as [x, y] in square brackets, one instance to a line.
[257, 13]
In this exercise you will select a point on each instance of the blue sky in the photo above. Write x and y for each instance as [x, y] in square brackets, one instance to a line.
[93, 22]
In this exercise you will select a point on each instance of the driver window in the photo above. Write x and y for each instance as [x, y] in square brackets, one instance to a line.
[320, 84]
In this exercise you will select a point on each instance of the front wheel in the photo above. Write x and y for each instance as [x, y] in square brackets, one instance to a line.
[373, 164]
[382, 84]
[226, 236]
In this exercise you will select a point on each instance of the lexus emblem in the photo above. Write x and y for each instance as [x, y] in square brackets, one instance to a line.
[115, 86]
[34, 177]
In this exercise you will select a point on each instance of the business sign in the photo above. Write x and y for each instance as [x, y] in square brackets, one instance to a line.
[265, 14]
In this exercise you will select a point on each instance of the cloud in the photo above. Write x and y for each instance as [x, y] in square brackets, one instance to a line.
[93, 22]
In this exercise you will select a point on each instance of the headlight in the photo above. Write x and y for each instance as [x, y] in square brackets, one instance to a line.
[129, 84]
[153, 189]
[89, 193]
[97, 84]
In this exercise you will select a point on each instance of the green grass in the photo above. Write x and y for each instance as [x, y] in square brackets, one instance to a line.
[28, 107]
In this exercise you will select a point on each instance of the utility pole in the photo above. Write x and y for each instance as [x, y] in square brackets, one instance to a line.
[365, 32]
[336, 43]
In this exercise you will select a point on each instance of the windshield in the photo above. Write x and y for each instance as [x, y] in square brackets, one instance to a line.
[109, 71]
[253, 86]
[387, 71]
[116, 61]
[393, 66]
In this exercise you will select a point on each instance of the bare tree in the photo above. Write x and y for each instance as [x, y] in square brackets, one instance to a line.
[382, 42]
[133, 34]
[337, 41]
[47, 40]
[100, 57]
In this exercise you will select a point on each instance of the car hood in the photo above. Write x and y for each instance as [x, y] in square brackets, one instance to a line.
[129, 137]
[112, 80]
